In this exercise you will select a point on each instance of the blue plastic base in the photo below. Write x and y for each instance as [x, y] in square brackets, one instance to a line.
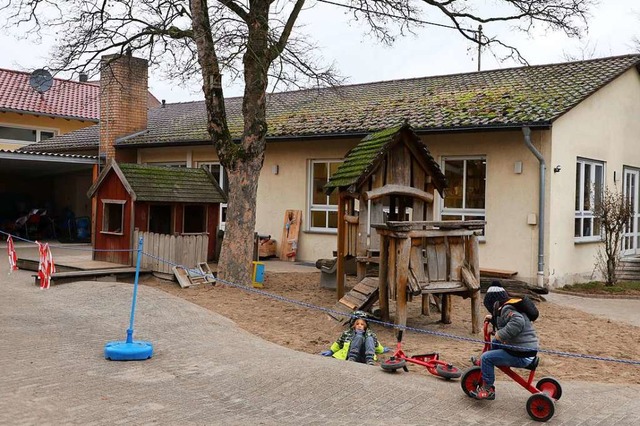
[128, 351]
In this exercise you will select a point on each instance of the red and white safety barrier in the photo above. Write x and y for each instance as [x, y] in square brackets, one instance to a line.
[46, 268]
[13, 257]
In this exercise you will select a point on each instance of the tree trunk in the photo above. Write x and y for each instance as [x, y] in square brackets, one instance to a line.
[235, 264]
[243, 161]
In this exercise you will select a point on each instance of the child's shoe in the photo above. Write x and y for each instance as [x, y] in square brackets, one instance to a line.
[370, 362]
[482, 392]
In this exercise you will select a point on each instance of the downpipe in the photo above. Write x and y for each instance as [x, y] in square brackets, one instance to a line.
[543, 167]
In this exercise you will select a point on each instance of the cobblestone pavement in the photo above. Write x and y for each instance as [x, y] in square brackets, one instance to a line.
[205, 370]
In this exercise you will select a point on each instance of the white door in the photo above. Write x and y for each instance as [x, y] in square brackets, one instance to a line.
[631, 188]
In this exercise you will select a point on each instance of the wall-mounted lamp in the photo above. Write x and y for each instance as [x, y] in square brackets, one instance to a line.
[517, 167]
[557, 168]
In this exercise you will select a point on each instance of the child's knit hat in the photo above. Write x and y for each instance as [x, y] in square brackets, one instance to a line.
[495, 293]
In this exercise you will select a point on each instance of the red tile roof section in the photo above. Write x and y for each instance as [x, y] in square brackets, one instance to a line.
[66, 98]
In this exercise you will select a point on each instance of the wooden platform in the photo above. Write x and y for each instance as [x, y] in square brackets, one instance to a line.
[84, 270]
[361, 297]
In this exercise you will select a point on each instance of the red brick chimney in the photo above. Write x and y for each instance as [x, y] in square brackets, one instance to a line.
[123, 100]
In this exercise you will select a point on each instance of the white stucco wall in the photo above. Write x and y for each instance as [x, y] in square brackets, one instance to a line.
[604, 127]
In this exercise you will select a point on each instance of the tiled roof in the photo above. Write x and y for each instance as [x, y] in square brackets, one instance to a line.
[167, 184]
[65, 98]
[497, 98]
[361, 161]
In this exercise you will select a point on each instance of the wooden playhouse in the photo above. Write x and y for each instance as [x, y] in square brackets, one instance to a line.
[176, 210]
[387, 187]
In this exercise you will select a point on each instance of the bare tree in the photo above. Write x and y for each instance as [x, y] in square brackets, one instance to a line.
[255, 40]
[613, 212]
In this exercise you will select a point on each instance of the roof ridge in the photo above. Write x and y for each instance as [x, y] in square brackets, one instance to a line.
[55, 78]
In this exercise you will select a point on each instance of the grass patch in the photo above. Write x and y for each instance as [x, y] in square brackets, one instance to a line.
[598, 287]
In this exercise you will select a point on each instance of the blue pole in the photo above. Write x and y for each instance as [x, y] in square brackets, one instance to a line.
[135, 293]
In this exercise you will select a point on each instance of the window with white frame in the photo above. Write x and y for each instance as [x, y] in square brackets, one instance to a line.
[589, 189]
[113, 216]
[323, 208]
[466, 191]
[22, 135]
[220, 174]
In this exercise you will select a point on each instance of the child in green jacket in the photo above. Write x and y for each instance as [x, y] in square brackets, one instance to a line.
[358, 343]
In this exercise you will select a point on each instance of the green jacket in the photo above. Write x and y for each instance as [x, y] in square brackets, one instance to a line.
[340, 347]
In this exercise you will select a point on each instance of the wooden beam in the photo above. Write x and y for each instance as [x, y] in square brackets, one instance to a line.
[473, 257]
[388, 190]
[361, 246]
[383, 282]
[403, 248]
[342, 236]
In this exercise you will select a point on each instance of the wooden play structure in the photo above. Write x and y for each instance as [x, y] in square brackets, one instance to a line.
[386, 190]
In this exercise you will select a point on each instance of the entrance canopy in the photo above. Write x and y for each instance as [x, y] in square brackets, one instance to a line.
[31, 165]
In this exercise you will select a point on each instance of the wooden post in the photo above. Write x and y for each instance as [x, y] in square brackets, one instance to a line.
[363, 229]
[341, 244]
[383, 287]
[426, 309]
[403, 249]
[391, 267]
[446, 308]
[474, 263]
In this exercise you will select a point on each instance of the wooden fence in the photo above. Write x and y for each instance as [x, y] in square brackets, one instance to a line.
[185, 250]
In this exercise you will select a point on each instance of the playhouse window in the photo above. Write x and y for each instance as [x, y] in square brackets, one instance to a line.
[465, 196]
[160, 218]
[323, 208]
[113, 216]
[589, 188]
[195, 219]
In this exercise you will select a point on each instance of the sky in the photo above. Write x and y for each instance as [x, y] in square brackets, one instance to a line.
[360, 59]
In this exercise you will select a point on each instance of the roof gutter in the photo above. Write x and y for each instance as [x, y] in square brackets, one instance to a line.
[66, 117]
[527, 141]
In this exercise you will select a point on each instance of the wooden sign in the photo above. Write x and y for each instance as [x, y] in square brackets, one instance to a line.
[290, 231]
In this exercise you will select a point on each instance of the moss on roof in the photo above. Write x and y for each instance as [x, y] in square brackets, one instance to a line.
[361, 161]
[495, 98]
[172, 184]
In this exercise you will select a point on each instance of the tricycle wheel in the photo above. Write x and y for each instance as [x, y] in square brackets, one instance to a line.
[448, 371]
[471, 379]
[550, 386]
[393, 364]
[540, 407]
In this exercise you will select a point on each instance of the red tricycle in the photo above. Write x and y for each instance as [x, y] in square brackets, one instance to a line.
[540, 405]
[431, 361]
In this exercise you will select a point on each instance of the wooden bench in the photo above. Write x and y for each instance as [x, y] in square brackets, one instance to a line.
[497, 273]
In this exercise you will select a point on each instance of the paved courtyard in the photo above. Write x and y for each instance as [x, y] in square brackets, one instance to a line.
[205, 370]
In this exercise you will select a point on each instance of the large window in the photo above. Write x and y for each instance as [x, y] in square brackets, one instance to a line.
[23, 135]
[465, 196]
[220, 174]
[323, 208]
[179, 164]
[589, 188]
[113, 216]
